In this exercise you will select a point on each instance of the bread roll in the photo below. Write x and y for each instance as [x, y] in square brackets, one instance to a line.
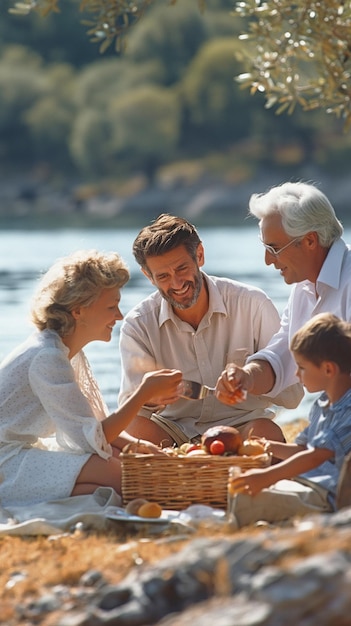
[134, 505]
[150, 509]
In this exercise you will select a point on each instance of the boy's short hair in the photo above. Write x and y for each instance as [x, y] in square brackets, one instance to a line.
[325, 337]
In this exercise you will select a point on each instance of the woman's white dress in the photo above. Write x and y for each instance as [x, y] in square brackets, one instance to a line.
[43, 394]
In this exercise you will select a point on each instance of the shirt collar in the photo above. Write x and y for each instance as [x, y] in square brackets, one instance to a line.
[331, 269]
[343, 402]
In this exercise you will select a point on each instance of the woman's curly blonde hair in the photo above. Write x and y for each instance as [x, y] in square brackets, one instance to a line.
[75, 280]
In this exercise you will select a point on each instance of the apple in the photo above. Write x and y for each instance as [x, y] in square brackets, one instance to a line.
[217, 447]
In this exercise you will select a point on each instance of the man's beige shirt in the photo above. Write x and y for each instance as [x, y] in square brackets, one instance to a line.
[240, 320]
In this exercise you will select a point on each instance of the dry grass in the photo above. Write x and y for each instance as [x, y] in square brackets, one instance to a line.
[31, 565]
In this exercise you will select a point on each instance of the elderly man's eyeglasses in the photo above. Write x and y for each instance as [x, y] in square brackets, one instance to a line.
[275, 252]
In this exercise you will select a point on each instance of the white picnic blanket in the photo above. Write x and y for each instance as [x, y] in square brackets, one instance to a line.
[94, 512]
[58, 516]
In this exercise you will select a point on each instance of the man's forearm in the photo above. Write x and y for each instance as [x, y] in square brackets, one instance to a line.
[261, 377]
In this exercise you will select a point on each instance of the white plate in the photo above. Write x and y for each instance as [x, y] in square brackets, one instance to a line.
[123, 516]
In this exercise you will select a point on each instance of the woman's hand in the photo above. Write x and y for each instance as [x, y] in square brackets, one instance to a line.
[162, 386]
[142, 446]
[232, 385]
[146, 447]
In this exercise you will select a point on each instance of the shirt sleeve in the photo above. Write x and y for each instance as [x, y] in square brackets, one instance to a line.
[277, 353]
[52, 380]
[329, 428]
[337, 439]
[302, 438]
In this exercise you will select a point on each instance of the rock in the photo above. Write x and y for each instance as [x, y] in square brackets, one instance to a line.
[296, 573]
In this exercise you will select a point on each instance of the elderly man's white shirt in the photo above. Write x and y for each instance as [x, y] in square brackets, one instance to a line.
[332, 293]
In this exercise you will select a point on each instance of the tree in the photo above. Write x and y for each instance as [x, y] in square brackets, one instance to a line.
[90, 143]
[105, 79]
[58, 38]
[294, 53]
[299, 53]
[170, 36]
[50, 118]
[22, 83]
[149, 139]
[115, 139]
[214, 104]
[108, 21]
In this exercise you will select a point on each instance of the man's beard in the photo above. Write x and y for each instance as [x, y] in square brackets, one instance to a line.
[197, 283]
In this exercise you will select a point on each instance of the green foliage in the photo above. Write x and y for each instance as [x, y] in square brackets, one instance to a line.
[103, 80]
[148, 139]
[171, 94]
[89, 143]
[107, 22]
[172, 35]
[214, 102]
[115, 139]
[49, 120]
[59, 37]
[294, 53]
[20, 87]
[298, 54]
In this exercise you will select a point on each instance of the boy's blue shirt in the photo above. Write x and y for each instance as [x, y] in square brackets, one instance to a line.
[330, 428]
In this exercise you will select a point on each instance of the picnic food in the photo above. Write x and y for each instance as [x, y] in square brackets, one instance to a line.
[143, 508]
[217, 447]
[150, 509]
[229, 435]
[251, 447]
[196, 452]
[134, 505]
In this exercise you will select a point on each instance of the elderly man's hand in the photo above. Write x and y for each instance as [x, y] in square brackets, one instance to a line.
[232, 385]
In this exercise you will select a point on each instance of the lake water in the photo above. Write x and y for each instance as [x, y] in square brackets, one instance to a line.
[24, 255]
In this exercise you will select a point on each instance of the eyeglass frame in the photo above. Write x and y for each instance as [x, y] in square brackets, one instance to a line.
[276, 253]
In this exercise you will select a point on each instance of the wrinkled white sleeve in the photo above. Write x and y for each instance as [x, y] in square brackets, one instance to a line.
[287, 391]
[52, 380]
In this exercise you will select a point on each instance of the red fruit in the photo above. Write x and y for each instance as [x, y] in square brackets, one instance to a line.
[217, 447]
[195, 446]
[197, 452]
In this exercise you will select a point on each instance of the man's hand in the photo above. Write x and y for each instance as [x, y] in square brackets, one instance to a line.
[232, 385]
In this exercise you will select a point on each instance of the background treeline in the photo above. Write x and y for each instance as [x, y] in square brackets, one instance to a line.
[169, 100]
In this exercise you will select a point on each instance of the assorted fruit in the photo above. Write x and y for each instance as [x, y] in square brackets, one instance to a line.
[217, 441]
[221, 441]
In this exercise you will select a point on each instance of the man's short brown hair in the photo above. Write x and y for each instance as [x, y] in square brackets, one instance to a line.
[164, 234]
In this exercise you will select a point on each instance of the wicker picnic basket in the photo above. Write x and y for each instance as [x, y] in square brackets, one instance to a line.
[176, 482]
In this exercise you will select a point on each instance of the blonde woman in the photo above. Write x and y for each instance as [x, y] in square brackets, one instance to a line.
[47, 388]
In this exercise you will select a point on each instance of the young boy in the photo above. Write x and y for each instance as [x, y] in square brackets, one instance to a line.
[306, 479]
